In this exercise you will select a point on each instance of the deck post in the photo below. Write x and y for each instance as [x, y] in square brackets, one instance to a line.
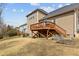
[32, 33]
[35, 34]
[38, 34]
[41, 34]
[47, 34]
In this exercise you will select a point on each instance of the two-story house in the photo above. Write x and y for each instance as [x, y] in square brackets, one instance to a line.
[66, 17]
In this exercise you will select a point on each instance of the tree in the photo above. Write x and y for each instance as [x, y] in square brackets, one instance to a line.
[11, 31]
[2, 25]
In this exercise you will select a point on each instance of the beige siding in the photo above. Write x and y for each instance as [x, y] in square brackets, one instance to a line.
[66, 21]
[40, 15]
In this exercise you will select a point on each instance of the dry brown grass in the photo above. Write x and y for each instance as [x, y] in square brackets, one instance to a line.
[37, 47]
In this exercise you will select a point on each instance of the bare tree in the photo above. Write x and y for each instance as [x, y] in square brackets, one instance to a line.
[2, 25]
[1, 22]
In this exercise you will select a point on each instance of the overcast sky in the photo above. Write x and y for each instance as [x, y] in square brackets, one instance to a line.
[15, 13]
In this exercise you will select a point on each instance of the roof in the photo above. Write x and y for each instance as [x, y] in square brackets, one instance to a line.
[23, 25]
[41, 10]
[62, 10]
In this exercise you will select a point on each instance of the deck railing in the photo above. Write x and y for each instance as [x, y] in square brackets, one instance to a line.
[43, 25]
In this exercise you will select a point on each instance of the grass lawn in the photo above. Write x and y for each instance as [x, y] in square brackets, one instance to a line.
[37, 47]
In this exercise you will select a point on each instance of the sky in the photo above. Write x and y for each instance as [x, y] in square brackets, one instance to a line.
[15, 13]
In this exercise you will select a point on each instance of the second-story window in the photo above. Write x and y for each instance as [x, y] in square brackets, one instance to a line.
[31, 17]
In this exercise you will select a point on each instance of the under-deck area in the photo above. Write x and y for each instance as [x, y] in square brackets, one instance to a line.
[46, 29]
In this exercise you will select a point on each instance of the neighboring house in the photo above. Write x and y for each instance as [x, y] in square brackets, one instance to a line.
[34, 17]
[22, 28]
[66, 17]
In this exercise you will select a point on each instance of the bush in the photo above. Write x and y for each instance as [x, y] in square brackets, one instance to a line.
[11, 33]
[25, 34]
[1, 36]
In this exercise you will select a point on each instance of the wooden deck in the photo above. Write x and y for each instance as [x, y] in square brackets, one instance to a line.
[40, 26]
[47, 27]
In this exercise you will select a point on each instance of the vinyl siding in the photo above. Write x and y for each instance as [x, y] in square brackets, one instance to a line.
[66, 21]
[40, 15]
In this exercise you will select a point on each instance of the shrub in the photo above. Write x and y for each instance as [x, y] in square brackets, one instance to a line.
[11, 33]
[25, 34]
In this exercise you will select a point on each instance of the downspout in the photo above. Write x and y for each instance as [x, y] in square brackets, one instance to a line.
[75, 22]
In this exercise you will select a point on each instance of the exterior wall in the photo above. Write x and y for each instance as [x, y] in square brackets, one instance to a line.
[66, 21]
[40, 15]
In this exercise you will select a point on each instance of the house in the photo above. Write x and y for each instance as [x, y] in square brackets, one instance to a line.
[21, 29]
[65, 20]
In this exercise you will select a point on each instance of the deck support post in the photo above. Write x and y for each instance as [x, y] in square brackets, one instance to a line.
[47, 34]
[51, 33]
[41, 34]
[34, 34]
[38, 34]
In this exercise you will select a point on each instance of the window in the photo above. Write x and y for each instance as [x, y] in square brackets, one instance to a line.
[31, 17]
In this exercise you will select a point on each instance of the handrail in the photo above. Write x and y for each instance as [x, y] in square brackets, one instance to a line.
[60, 27]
